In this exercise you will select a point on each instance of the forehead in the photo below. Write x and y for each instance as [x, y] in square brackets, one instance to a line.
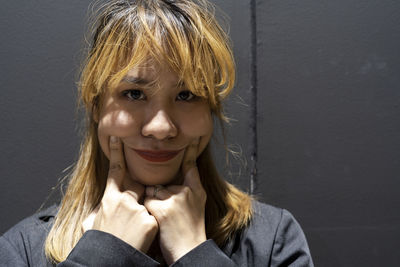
[151, 74]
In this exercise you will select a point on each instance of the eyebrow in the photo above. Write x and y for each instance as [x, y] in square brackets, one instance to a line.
[143, 82]
[136, 80]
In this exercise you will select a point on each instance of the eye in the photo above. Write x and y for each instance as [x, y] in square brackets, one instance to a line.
[185, 96]
[134, 94]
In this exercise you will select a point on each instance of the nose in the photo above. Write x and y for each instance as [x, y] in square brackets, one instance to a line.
[160, 126]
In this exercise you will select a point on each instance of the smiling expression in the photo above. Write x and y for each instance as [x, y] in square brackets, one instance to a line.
[156, 119]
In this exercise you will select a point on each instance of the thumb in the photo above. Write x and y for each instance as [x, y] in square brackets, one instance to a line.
[191, 177]
[116, 170]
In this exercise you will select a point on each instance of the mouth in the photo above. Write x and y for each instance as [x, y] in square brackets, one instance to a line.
[158, 155]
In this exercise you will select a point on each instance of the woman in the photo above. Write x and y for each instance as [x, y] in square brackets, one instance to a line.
[145, 191]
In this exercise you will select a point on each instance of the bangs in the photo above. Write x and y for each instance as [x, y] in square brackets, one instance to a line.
[183, 35]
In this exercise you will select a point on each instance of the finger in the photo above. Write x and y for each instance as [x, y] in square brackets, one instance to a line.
[151, 205]
[191, 177]
[134, 187]
[116, 170]
[157, 192]
[190, 156]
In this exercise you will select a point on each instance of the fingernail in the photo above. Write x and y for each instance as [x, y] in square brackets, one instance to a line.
[113, 139]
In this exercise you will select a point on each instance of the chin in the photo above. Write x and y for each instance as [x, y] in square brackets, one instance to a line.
[152, 179]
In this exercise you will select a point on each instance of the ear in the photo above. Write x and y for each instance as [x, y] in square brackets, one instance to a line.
[95, 114]
[95, 109]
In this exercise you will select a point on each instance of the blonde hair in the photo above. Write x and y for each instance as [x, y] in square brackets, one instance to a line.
[185, 35]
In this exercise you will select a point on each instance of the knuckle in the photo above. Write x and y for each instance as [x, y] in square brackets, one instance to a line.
[150, 221]
[163, 213]
[193, 146]
[162, 217]
[186, 191]
[190, 162]
[202, 191]
[171, 208]
[139, 210]
[203, 196]
[127, 199]
[142, 209]
[114, 146]
[116, 167]
[151, 224]
[146, 202]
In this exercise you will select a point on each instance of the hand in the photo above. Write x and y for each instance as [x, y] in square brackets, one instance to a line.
[180, 210]
[120, 213]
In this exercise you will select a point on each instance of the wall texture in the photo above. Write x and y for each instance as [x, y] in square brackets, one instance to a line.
[316, 109]
[328, 124]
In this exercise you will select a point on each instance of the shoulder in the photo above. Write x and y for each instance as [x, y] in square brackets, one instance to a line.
[259, 235]
[271, 217]
[287, 242]
[266, 213]
[276, 220]
[25, 237]
[273, 235]
[265, 222]
[36, 222]
[289, 247]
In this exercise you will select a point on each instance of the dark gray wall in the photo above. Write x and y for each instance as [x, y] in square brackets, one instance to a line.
[329, 124]
[317, 105]
[39, 50]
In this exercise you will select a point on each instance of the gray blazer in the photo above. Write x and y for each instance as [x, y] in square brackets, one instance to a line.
[273, 238]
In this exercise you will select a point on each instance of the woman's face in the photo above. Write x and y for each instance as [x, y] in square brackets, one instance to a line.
[155, 122]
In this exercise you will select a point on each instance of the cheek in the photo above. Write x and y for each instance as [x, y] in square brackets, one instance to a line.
[200, 125]
[117, 123]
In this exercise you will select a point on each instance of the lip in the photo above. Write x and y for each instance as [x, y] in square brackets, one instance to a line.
[158, 155]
